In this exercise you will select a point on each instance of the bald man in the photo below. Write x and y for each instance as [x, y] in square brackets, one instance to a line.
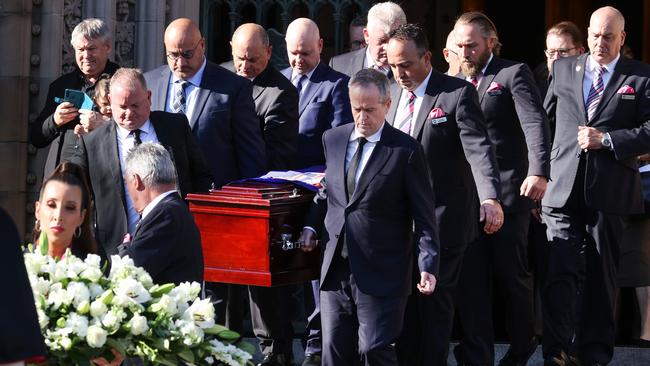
[600, 105]
[450, 53]
[276, 106]
[218, 104]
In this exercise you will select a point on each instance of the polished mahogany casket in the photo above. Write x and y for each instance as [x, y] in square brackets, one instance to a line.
[250, 231]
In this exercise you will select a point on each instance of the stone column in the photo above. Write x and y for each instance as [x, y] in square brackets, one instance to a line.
[15, 40]
[149, 31]
[184, 9]
[104, 10]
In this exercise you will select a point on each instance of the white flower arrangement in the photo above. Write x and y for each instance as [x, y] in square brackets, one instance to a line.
[84, 314]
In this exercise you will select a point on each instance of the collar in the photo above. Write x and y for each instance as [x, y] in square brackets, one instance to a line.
[196, 79]
[122, 132]
[372, 138]
[419, 91]
[370, 62]
[155, 202]
[487, 64]
[308, 74]
[591, 64]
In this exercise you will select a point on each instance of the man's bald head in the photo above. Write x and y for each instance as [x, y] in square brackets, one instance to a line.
[451, 55]
[606, 34]
[251, 51]
[185, 48]
[304, 45]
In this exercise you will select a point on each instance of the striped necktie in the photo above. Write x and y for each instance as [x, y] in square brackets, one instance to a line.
[405, 125]
[179, 104]
[596, 92]
[298, 82]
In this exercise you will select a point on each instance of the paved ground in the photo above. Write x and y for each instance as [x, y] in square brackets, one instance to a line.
[624, 356]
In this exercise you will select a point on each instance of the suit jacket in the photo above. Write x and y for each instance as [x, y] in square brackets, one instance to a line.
[517, 127]
[611, 178]
[276, 106]
[459, 152]
[223, 122]
[167, 243]
[44, 132]
[393, 192]
[98, 153]
[352, 62]
[324, 104]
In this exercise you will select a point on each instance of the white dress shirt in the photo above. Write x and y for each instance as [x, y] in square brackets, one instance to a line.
[295, 75]
[125, 141]
[590, 73]
[368, 148]
[191, 91]
[402, 111]
[148, 208]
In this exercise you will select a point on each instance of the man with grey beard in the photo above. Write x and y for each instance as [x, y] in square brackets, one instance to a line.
[518, 128]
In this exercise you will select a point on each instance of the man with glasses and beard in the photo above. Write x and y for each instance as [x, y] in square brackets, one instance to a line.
[518, 128]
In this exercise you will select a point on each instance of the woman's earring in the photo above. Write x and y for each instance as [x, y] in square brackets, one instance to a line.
[77, 231]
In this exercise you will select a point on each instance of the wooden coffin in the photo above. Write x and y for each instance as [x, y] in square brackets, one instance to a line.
[244, 227]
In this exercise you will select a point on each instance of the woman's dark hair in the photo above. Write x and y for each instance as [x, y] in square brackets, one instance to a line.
[73, 175]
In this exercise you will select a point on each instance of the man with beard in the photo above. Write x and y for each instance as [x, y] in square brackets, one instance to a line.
[518, 128]
[382, 19]
[447, 120]
[55, 125]
[600, 103]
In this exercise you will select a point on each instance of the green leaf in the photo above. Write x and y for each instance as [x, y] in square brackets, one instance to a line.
[186, 355]
[215, 330]
[159, 290]
[228, 335]
[167, 360]
[246, 347]
[43, 243]
[79, 358]
[119, 346]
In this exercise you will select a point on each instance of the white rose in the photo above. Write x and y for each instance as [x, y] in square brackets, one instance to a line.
[59, 296]
[96, 336]
[93, 260]
[98, 308]
[79, 291]
[138, 324]
[95, 290]
[92, 274]
[201, 312]
[113, 318]
[78, 324]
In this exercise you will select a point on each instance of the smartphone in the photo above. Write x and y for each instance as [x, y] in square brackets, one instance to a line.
[78, 98]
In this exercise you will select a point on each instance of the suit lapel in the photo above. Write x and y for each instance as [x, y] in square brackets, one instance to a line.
[108, 148]
[161, 87]
[377, 160]
[203, 94]
[336, 156]
[428, 101]
[614, 83]
[490, 73]
[395, 96]
[309, 91]
[579, 68]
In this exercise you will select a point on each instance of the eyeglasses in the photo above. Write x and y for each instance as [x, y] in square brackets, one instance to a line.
[563, 52]
[173, 56]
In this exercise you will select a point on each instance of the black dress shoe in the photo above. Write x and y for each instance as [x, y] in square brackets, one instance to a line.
[642, 343]
[510, 359]
[561, 360]
[274, 359]
[311, 360]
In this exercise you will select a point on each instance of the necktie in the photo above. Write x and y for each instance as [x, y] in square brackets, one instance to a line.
[178, 106]
[350, 183]
[136, 137]
[298, 82]
[474, 81]
[405, 125]
[596, 92]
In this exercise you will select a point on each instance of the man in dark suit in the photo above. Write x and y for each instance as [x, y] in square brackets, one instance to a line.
[382, 19]
[54, 126]
[600, 104]
[447, 120]
[518, 128]
[323, 104]
[166, 242]
[103, 153]
[218, 105]
[378, 207]
[322, 92]
[276, 105]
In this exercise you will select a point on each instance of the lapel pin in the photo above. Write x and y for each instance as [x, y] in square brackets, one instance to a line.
[578, 68]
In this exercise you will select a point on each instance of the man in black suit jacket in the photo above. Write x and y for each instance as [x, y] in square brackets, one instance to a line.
[276, 105]
[518, 128]
[382, 19]
[449, 124]
[166, 242]
[54, 126]
[600, 105]
[378, 210]
[103, 154]
[218, 104]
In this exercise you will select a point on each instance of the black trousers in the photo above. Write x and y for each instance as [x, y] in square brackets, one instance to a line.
[357, 327]
[270, 319]
[500, 259]
[580, 291]
[429, 319]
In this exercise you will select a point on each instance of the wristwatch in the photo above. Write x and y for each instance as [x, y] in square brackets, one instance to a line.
[606, 141]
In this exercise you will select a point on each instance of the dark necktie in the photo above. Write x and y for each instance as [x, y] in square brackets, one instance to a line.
[352, 168]
[136, 137]
[178, 106]
[596, 92]
[299, 81]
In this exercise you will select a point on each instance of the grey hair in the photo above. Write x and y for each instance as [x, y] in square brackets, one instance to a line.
[128, 77]
[366, 77]
[91, 28]
[152, 163]
[387, 14]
